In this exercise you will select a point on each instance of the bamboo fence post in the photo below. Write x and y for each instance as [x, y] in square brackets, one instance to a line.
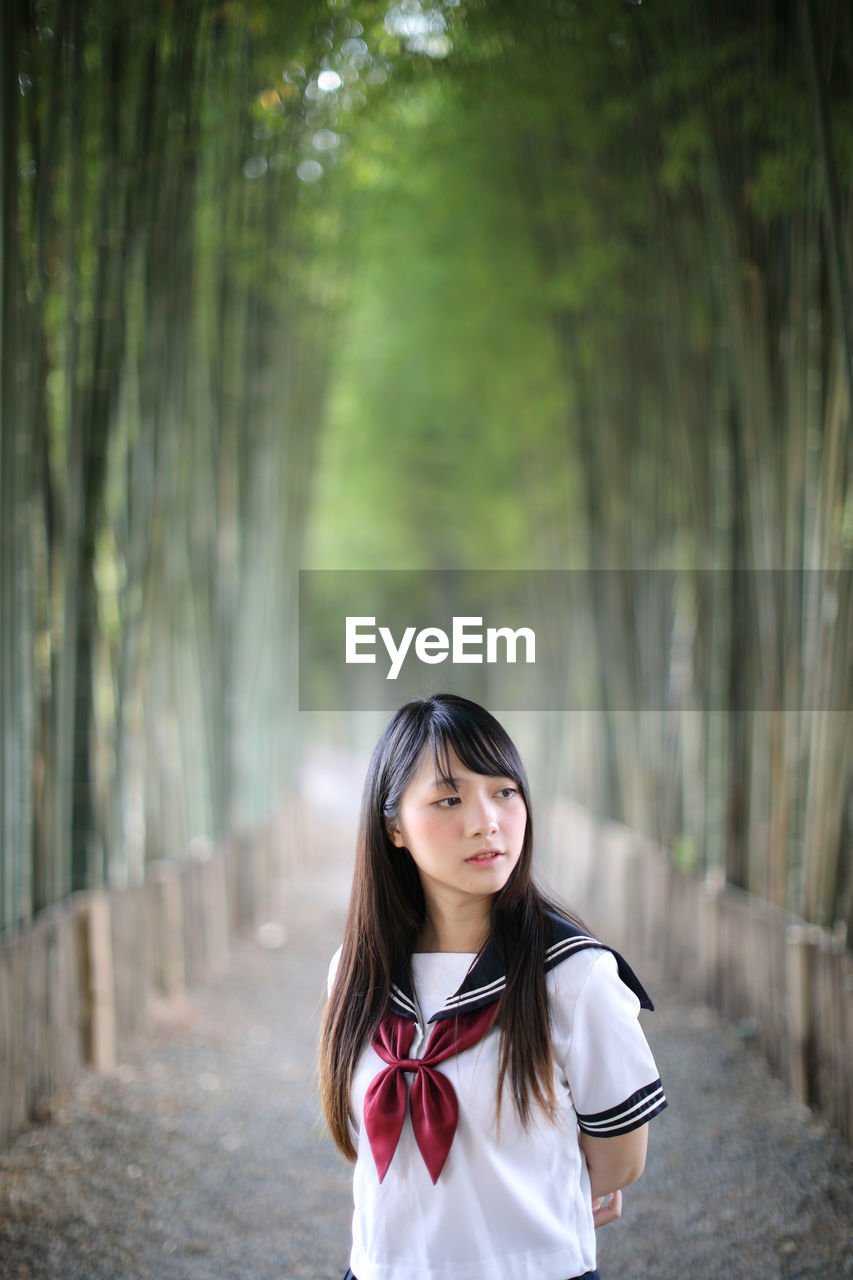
[169, 908]
[798, 964]
[97, 983]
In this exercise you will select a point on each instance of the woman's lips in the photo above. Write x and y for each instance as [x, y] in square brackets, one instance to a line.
[485, 858]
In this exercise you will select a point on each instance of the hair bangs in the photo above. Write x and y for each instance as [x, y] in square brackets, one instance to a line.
[484, 749]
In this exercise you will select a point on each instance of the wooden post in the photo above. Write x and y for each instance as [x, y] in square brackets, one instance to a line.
[13, 1013]
[97, 984]
[170, 960]
[800, 939]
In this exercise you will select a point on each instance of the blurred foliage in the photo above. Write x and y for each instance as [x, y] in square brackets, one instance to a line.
[443, 423]
[439, 285]
[598, 320]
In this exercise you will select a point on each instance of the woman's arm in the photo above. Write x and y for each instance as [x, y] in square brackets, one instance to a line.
[614, 1162]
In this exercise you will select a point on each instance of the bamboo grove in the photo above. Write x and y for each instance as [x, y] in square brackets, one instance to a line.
[561, 284]
[163, 369]
[647, 213]
[689, 191]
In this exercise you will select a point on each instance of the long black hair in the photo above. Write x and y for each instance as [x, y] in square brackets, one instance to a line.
[387, 910]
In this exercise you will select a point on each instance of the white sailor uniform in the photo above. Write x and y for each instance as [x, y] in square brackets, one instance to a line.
[514, 1203]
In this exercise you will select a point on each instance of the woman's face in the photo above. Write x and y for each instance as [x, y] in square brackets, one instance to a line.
[465, 839]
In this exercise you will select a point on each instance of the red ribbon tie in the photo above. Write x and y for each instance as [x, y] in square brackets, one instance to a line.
[433, 1102]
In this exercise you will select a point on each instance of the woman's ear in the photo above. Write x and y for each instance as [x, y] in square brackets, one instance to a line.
[395, 835]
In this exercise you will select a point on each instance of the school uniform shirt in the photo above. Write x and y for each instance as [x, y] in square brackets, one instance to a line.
[513, 1204]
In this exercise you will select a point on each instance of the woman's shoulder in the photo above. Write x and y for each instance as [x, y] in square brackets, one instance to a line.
[565, 938]
[575, 952]
[570, 955]
[333, 969]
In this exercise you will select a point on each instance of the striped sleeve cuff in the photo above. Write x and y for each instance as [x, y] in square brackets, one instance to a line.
[630, 1114]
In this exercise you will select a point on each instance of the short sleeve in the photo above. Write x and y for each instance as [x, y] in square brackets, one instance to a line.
[333, 969]
[611, 1072]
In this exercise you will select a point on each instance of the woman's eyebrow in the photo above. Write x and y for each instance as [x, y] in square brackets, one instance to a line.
[449, 781]
[439, 783]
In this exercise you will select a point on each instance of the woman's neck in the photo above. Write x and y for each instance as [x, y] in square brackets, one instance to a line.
[443, 931]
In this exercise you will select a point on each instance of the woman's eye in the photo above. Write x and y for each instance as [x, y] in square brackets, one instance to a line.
[449, 802]
[506, 792]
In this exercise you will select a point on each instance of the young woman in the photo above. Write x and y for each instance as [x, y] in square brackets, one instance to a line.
[481, 1062]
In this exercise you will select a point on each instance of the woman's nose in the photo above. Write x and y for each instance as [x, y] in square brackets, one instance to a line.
[482, 817]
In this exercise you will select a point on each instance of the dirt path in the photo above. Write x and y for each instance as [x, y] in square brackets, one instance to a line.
[204, 1158]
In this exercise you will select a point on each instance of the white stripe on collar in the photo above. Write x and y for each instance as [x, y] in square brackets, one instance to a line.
[568, 939]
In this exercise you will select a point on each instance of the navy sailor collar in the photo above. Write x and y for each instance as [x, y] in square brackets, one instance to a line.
[486, 979]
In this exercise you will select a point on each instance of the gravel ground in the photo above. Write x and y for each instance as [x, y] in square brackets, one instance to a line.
[204, 1158]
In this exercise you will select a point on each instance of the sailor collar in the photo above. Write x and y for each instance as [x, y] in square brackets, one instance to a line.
[485, 981]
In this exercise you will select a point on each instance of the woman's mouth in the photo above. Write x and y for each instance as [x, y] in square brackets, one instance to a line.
[485, 858]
